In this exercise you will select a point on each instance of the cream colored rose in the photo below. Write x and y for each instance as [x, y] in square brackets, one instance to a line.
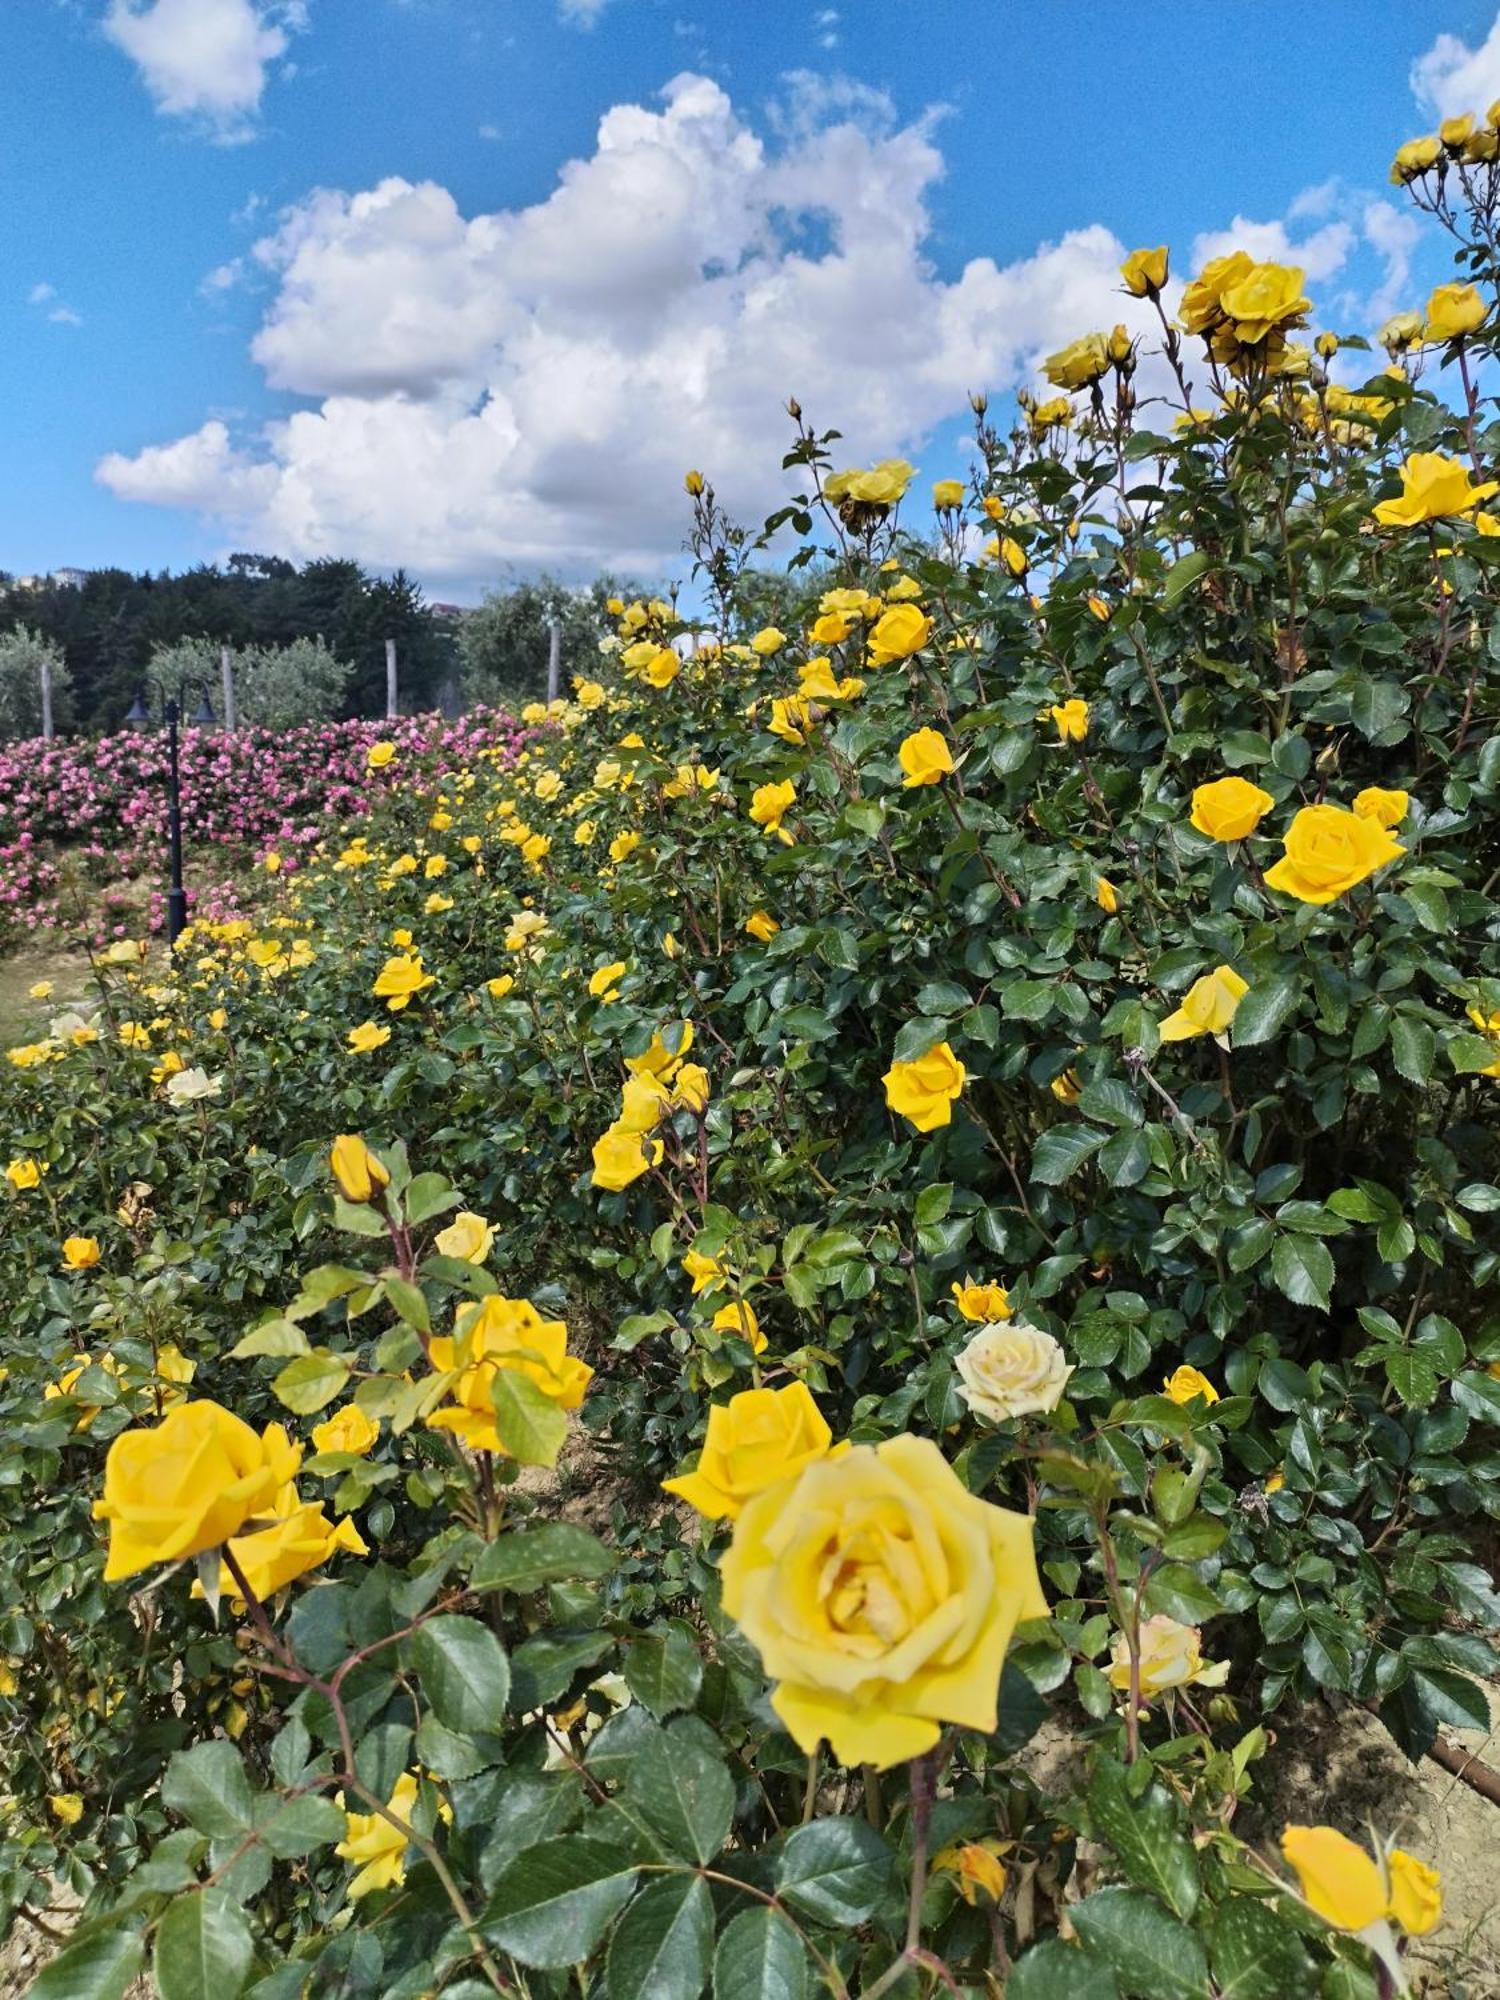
[1011, 1370]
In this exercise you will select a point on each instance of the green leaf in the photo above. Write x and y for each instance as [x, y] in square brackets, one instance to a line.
[526, 1560]
[204, 1950]
[208, 1788]
[311, 1381]
[835, 1871]
[663, 1943]
[1053, 1970]
[685, 1794]
[464, 1672]
[760, 1957]
[663, 1670]
[1181, 1593]
[429, 1195]
[410, 1302]
[102, 1967]
[1255, 1955]
[273, 1336]
[528, 1423]
[1183, 574]
[1143, 1832]
[553, 1903]
[1153, 1955]
[290, 1828]
[1265, 1009]
[1412, 1376]
[1062, 1150]
[1413, 1046]
[1303, 1269]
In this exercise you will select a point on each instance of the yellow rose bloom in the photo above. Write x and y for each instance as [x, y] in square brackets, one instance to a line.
[498, 988]
[1202, 305]
[767, 642]
[1434, 487]
[762, 926]
[1011, 1371]
[692, 1089]
[830, 629]
[605, 983]
[467, 1237]
[769, 805]
[379, 755]
[924, 1091]
[66, 1807]
[1230, 808]
[622, 1156]
[1145, 272]
[1185, 1384]
[80, 1253]
[1330, 851]
[41, 990]
[755, 1440]
[662, 668]
[881, 1596]
[1079, 364]
[791, 717]
[1071, 719]
[358, 1171]
[1337, 1878]
[738, 1317]
[495, 1334]
[377, 1848]
[348, 1429]
[1171, 1656]
[657, 1060]
[1264, 298]
[1452, 312]
[1416, 1893]
[703, 1271]
[925, 758]
[881, 486]
[367, 1037]
[947, 493]
[898, 633]
[1386, 809]
[1208, 1006]
[23, 1174]
[300, 1538]
[400, 980]
[187, 1485]
[981, 1303]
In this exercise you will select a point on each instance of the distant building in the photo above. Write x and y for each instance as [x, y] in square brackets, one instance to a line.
[69, 579]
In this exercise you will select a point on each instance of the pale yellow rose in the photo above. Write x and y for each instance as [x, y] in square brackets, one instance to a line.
[467, 1237]
[1171, 1657]
[1012, 1371]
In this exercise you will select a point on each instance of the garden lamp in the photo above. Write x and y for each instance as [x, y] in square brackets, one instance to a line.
[138, 716]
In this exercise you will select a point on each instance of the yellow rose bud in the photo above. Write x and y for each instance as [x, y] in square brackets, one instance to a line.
[358, 1171]
[1184, 1384]
[347, 1430]
[376, 1847]
[693, 483]
[739, 1318]
[1107, 896]
[1454, 311]
[1386, 809]
[1338, 1879]
[762, 926]
[925, 758]
[1071, 719]
[80, 1253]
[981, 1304]
[947, 493]
[1145, 272]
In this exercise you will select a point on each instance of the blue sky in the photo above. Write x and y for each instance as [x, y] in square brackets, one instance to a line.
[483, 377]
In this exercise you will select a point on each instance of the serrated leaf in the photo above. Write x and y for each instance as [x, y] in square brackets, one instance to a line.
[103, 1967]
[1303, 1269]
[207, 1787]
[835, 1871]
[1143, 1832]
[1265, 1010]
[1062, 1150]
[311, 1382]
[1153, 1955]
[663, 1671]
[685, 1794]
[553, 1903]
[204, 1950]
[527, 1559]
[529, 1425]
[760, 1957]
[1053, 1970]
[663, 1944]
[464, 1672]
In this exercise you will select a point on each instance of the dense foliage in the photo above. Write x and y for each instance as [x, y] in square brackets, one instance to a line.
[987, 1090]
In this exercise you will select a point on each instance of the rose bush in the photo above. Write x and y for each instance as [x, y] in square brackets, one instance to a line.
[1031, 1200]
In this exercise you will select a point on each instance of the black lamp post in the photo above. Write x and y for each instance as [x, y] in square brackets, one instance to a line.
[139, 717]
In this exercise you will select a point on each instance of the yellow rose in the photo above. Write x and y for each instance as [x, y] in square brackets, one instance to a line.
[898, 633]
[621, 1156]
[498, 988]
[762, 926]
[1202, 301]
[187, 1485]
[739, 1318]
[881, 486]
[1337, 1878]
[80, 1253]
[703, 1271]
[1456, 132]
[299, 1538]
[379, 755]
[1011, 554]
[1453, 311]
[768, 641]
[1386, 809]
[1078, 364]
[1185, 1384]
[368, 1036]
[924, 1091]
[1208, 1006]
[467, 1237]
[1328, 852]
[1071, 719]
[1265, 297]
[1145, 272]
[376, 1847]
[791, 717]
[605, 983]
[23, 1174]
[662, 668]
[41, 990]
[981, 1304]
[1230, 808]
[495, 1334]
[1107, 896]
[881, 1596]
[400, 979]
[947, 493]
[831, 629]
[769, 806]
[756, 1439]
[1433, 488]
[66, 1806]
[1170, 1657]
[657, 1059]
[925, 758]
[348, 1429]
[1011, 1371]
[358, 1171]
[692, 1090]
[1416, 1893]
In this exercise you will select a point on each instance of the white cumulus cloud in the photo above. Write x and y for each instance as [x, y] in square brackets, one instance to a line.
[1451, 78]
[205, 59]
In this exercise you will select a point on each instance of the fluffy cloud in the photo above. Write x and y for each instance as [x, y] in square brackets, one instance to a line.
[1450, 77]
[205, 59]
[526, 386]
